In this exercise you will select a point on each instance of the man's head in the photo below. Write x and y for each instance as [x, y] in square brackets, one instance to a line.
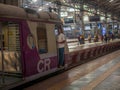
[60, 30]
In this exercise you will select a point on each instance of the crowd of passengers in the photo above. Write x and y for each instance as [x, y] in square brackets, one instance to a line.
[103, 38]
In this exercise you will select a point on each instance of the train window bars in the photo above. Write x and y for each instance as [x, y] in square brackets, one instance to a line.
[42, 39]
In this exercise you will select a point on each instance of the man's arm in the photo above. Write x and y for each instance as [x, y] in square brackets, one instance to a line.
[63, 40]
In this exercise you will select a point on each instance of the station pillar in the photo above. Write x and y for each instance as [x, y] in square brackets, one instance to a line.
[113, 25]
[82, 19]
[106, 23]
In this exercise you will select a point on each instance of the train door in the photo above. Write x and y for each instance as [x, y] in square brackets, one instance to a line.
[10, 60]
[59, 56]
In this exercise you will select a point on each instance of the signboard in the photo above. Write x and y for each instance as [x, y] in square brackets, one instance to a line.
[68, 20]
[94, 18]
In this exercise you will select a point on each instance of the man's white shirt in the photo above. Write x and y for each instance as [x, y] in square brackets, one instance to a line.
[61, 38]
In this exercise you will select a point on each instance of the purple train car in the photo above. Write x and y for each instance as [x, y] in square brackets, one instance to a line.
[28, 41]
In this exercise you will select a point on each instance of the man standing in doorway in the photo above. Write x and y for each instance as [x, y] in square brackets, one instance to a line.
[61, 45]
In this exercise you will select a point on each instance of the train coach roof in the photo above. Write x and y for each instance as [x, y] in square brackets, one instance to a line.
[17, 12]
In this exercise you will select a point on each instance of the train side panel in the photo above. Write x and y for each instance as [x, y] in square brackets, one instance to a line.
[39, 52]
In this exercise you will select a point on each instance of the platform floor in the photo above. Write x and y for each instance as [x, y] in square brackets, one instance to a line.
[75, 46]
[102, 73]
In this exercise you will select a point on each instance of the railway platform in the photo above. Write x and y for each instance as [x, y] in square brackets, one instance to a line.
[102, 73]
[97, 74]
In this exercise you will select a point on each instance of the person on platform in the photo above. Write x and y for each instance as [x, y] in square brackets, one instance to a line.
[61, 39]
[96, 38]
[81, 39]
[102, 38]
[89, 38]
[105, 38]
[112, 36]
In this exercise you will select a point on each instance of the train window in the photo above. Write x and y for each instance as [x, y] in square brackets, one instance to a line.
[42, 39]
[10, 36]
[10, 46]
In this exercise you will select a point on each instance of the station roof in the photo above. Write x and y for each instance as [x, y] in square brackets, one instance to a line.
[109, 6]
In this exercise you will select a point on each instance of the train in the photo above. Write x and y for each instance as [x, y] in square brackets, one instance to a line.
[28, 44]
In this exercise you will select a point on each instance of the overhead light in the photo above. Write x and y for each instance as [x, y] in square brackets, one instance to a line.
[71, 10]
[47, 3]
[34, 0]
[26, 6]
[40, 9]
[111, 0]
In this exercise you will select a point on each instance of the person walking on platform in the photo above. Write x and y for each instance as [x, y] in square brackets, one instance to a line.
[112, 36]
[96, 38]
[61, 44]
[102, 38]
[108, 38]
[89, 38]
[105, 38]
[81, 39]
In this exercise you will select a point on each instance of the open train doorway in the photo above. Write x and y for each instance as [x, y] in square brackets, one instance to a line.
[10, 52]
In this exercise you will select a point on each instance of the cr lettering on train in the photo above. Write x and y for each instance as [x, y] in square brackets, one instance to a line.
[43, 65]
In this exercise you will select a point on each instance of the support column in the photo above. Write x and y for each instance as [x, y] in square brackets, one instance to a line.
[82, 18]
[96, 29]
[106, 25]
[118, 27]
[58, 3]
[113, 24]
[20, 3]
